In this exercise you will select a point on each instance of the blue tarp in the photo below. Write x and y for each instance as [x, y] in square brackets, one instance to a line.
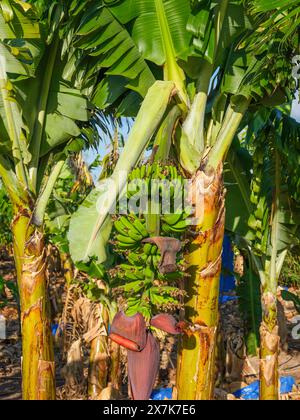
[227, 281]
[226, 298]
[161, 394]
[251, 392]
[54, 328]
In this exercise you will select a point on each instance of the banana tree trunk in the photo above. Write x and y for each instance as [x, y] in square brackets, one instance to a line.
[38, 372]
[196, 365]
[269, 331]
[269, 348]
[115, 365]
[98, 367]
[99, 361]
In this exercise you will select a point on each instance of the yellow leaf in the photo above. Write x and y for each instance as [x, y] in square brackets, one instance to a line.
[25, 6]
[15, 51]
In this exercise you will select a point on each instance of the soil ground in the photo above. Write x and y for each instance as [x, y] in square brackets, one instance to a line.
[236, 369]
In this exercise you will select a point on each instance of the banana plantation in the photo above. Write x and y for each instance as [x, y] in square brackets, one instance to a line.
[149, 200]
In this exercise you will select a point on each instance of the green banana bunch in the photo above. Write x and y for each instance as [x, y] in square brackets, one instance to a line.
[130, 232]
[149, 255]
[171, 224]
[258, 221]
[130, 272]
[175, 223]
[155, 171]
[140, 274]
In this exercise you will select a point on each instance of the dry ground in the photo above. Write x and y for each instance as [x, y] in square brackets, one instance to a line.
[236, 369]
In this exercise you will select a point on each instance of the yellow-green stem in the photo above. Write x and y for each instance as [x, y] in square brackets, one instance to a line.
[269, 331]
[99, 359]
[269, 348]
[230, 125]
[115, 365]
[196, 364]
[38, 372]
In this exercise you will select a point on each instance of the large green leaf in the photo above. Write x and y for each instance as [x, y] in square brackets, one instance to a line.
[11, 63]
[249, 295]
[237, 182]
[150, 14]
[17, 20]
[12, 139]
[100, 202]
[102, 36]
[58, 130]
[216, 26]
[284, 12]
[250, 211]
[267, 5]
[63, 105]
[167, 41]
[82, 227]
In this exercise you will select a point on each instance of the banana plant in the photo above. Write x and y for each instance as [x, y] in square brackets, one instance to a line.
[273, 223]
[216, 57]
[46, 114]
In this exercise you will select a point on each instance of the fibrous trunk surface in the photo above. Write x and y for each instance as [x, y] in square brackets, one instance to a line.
[38, 370]
[196, 367]
[269, 348]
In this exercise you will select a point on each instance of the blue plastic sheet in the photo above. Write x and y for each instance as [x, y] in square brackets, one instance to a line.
[161, 394]
[227, 281]
[54, 328]
[226, 298]
[251, 392]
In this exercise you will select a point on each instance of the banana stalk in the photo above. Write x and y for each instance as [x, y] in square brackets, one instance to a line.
[196, 365]
[38, 373]
[98, 368]
[197, 349]
[269, 347]
[115, 365]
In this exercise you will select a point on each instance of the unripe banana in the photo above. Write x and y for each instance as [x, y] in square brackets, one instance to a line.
[120, 228]
[166, 229]
[181, 225]
[125, 240]
[147, 249]
[140, 227]
[132, 231]
[153, 250]
[172, 219]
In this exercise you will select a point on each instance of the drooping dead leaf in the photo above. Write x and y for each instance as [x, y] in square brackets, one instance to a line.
[88, 316]
[96, 325]
[75, 383]
[109, 393]
[271, 339]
